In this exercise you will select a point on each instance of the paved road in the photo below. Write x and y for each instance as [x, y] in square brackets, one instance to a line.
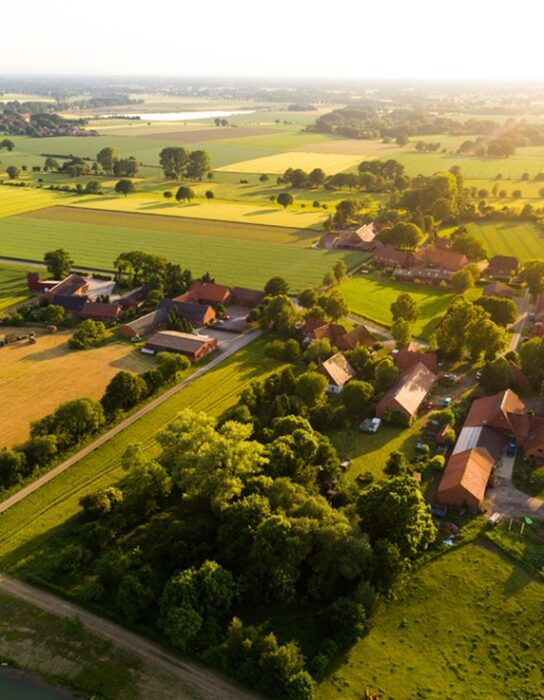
[524, 306]
[35, 485]
[505, 498]
[195, 681]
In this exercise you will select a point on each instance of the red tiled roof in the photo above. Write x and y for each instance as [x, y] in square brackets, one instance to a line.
[406, 358]
[337, 370]
[209, 292]
[358, 336]
[494, 411]
[100, 311]
[447, 259]
[503, 263]
[409, 392]
[390, 255]
[466, 473]
[498, 289]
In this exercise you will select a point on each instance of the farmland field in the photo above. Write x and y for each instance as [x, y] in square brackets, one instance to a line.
[467, 626]
[523, 240]
[35, 379]
[13, 286]
[371, 297]
[177, 224]
[27, 526]
[16, 200]
[229, 260]
[277, 164]
[258, 213]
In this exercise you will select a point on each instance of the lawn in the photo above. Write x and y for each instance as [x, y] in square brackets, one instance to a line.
[28, 526]
[267, 214]
[524, 240]
[369, 452]
[231, 261]
[466, 626]
[370, 296]
[59, 374]
[13, 286]
[277, 164]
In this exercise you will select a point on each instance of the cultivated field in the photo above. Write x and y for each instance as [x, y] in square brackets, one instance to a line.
[35, 379]
[178, 224]
[266, 214]
[371, 297]
[277, 164]
[466, 626]
[29, 526]
[232, 261]
[16, 200]
[13, 286]
[523, 240]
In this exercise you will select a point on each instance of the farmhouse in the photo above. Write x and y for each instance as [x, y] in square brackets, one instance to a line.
[207, 293]
[465, 478]
[317, 329]
[145, 324]
[196, 314]
[71, 304]
[503, 267]
[490, 421]
[498, 289]
[337, 371]
[192, 346]
[387, 256]
[133, 299]
[361, 239]
[442, 259]
[412, 354]
[99, 311]
[247, 297]
[423, 275]
[329, 241]
[36, 285]
[406, 397]
[358, 336]
[73, 285]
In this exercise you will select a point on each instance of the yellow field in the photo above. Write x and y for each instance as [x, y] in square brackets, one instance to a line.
[276, 165]
[273, 215]
[17, 200]
[35, 379]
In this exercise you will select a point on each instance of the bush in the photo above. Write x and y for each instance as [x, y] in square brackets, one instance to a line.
[90, 333]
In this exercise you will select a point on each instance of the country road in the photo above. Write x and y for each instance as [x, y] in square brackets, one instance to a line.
[102, 439]
[201, 683]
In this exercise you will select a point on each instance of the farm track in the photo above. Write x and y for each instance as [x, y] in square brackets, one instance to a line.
[195, 682]
[103, 439]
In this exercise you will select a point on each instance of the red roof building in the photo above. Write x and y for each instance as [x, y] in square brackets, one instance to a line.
[408, 394]
[443, 259]
[391, 257]
[502, 267]
[465, 478]
[412, 354]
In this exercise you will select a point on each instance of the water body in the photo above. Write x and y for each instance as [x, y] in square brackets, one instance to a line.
[179, 116]
[20, 687]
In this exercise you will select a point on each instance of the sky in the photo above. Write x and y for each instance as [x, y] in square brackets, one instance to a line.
[357, 39]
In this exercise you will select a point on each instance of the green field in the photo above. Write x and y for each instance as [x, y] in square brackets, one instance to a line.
[13, 286]
[468, 625]
[17, 200]
[523, 240]
[28, 526]
[232, 261]
[277, 164]
[371, 296]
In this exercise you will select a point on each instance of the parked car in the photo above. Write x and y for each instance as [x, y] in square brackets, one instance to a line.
[479, 374]
[446, 401]
[450, 377]
[511, 449]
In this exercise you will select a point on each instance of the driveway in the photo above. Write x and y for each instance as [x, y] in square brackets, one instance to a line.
[505, 498]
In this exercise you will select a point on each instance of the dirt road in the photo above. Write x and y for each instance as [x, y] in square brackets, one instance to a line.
[195, 681]
[24, 492]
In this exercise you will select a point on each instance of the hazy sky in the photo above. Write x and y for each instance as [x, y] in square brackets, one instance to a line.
[292, 38]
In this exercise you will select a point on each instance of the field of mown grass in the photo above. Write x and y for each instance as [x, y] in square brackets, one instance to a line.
[17, 200]
[35, 379]
[278, 163]
[232, 261]
[270, 214]
[524, 240]
[467, 626]
[370, 296]
[28, 526]
[13, 286]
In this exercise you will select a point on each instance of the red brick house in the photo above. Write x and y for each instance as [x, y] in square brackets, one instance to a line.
[338, 372]
[465, 478]
[195, 347]
[498, 289]
[443, 259]
[387, 256]
[412, 354]
[409, 393]
[503, 267]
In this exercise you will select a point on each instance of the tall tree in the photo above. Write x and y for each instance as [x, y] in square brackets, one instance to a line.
[106, 159]
[174, 160]
[198, 165]
[59, 263]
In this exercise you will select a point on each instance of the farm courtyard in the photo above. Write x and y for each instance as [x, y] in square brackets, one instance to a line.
[35, 379]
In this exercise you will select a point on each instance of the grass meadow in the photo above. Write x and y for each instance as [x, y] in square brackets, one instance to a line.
[60, 373]
[17, 200]
[13, 286]
[29, 526]
[277, 164]
[237, 262]
[370, 297]
[466, 625]
[523, 240]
